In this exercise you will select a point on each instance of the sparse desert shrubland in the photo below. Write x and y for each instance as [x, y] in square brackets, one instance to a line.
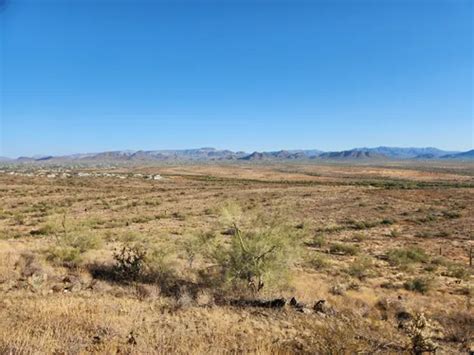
[238, 258]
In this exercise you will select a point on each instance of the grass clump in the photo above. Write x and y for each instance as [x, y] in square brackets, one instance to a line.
[43, 230]
[360, 225]
[404, 256]
[359, 237]
[361, 267]
[346, 249]
[318, 241]
[319, 261]
[458, 272]
[70, 248]
[395, 233]
[451, 214]
[64, 256]
[198, 245]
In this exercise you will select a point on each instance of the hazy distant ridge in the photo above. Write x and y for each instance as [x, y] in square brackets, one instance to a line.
[212, 154]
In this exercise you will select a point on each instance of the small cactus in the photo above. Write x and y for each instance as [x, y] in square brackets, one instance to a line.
[420, 331]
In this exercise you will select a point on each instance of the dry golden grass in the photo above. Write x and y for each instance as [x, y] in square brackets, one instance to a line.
[356, 224]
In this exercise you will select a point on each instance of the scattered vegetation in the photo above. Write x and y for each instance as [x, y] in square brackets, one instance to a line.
[343, 248]
[318, 261]
[297, 258]
[319, 241]
[404, 256]
[361, 267]
[69, 248]
[419, 284]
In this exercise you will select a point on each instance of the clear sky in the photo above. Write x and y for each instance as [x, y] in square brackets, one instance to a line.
[95, 75]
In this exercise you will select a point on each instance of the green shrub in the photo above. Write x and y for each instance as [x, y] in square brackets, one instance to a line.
[259, 256]
[419, 284]
[395, 233]
[83, 242]
[318, 261]
[198, 245]
[431, 267]
[361, 267]
[340, 248]
[387, 221]
[405, 256]
[459, 272]
[70, 248]
[159, 264]
[359, 237]
[359, 225]
[319, 241]
[440, 261]
[451, 214]
[64, 255]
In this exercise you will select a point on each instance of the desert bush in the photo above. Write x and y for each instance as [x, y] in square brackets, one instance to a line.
[405, 256]
[83, 242]
[159, 265]
[129, 262]
[64, 255]
[451, 214]
[359, 237]
[198, 245]
[439, 260]
[139, 262]
[395, 233]
[19, 218]
[359, 225]
[70, 248]
[459, 272]
[431, 267]
[419, 284]
[318, 261]
[319, 241]
[340, 248]
[260, 256]
[387, 221]
[361, 267]
[43, 230]
[179, 216]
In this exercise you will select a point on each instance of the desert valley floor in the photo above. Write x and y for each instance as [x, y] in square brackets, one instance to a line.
[380, 244]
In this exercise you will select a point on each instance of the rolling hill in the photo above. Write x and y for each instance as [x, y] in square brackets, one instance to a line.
[469, 155]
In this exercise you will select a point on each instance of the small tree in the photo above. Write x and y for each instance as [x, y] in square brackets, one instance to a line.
[260, 256]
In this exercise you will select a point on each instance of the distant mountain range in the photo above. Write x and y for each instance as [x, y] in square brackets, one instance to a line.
[353, 154]
[463, 155]
[212, 154]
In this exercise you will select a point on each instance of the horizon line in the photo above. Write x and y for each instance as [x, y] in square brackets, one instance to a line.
[231, 150]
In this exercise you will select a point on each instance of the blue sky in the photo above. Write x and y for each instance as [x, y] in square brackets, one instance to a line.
[94, 75]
